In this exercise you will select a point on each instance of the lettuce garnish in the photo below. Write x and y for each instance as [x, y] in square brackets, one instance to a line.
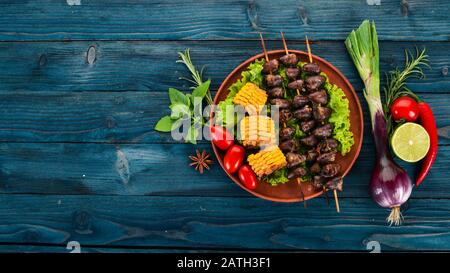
[251, 74]
[340, 117]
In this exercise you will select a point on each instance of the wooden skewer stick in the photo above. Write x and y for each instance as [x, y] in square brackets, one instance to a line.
[336, 200]
[309, 49]
[298, 93]
[299, 182]
[264, 47]
[284, 43]
[298, 179]
[287, 52]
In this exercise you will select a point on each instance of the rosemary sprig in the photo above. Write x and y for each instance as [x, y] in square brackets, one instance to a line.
[197, 76]
[396, 80]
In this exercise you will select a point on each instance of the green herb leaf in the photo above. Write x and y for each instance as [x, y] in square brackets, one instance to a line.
[164, 124]
[189, 98]
[187, 108]
[340, 117]
[282, 73]
[277, 177]
[298, 132]
[252, 74]
[185, 58]
[177, 123]
[191, 135]
[224, 117]
[201, 90]
[176, 96]
[179, 110]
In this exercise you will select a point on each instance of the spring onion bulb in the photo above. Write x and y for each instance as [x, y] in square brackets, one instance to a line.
[390, 185]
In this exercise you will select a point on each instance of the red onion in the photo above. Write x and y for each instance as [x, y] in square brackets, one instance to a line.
[390, 185]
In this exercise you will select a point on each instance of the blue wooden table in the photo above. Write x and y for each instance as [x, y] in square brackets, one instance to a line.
[83, 82]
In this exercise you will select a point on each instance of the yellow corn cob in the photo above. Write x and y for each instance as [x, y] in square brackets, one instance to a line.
[251, 97]
[257, 131]
[267, 161]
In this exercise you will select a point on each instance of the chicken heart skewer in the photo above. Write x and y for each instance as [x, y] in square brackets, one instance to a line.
[336, 200]
[298, 93]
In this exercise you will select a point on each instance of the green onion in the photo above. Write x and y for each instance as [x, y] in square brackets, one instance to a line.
[390, 185]
[362, 45]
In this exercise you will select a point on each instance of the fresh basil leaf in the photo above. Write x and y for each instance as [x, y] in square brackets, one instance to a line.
[198, 121]
[197, 111]
[190, 101]
[192, 135]
[177, 123]
[164, 124]
[180, 128]
[179, 111]
[177, 96]
[201, 90]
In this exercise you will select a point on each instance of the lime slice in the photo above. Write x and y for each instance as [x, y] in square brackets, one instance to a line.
[410, 142]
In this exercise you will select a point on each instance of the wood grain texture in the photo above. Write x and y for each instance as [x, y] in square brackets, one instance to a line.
[81, 88]
[55, 248]
[107, 249]
[116, 117]
[150, 66]
[101, 169]
[204, 223]
[236, 19]
[35, 108]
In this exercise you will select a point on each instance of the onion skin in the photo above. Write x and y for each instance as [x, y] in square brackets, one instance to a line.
[390, 185]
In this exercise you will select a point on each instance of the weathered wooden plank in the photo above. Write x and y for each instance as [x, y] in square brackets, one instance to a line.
[237, 19]
[114, 117]
[246, 223]
[82, 116]
[150, 66]
[102, 169]
[41, 248]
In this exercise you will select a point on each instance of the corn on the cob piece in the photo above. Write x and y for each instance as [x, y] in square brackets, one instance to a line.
[267, 161]
[257, 131]
[251, 97]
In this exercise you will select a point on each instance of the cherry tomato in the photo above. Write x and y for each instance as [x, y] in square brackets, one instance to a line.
[248, 177]
[233, 158]
[221, 137]
[405, 108]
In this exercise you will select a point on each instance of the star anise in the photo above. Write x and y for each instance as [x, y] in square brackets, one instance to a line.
[200, 161]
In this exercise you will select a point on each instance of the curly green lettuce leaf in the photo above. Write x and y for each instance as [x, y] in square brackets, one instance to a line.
[340, 117]
[277, 177]
[280, 177]
[251, 74]
[222, 115]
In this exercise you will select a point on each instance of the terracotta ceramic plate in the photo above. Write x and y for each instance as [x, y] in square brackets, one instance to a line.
[291, 191]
